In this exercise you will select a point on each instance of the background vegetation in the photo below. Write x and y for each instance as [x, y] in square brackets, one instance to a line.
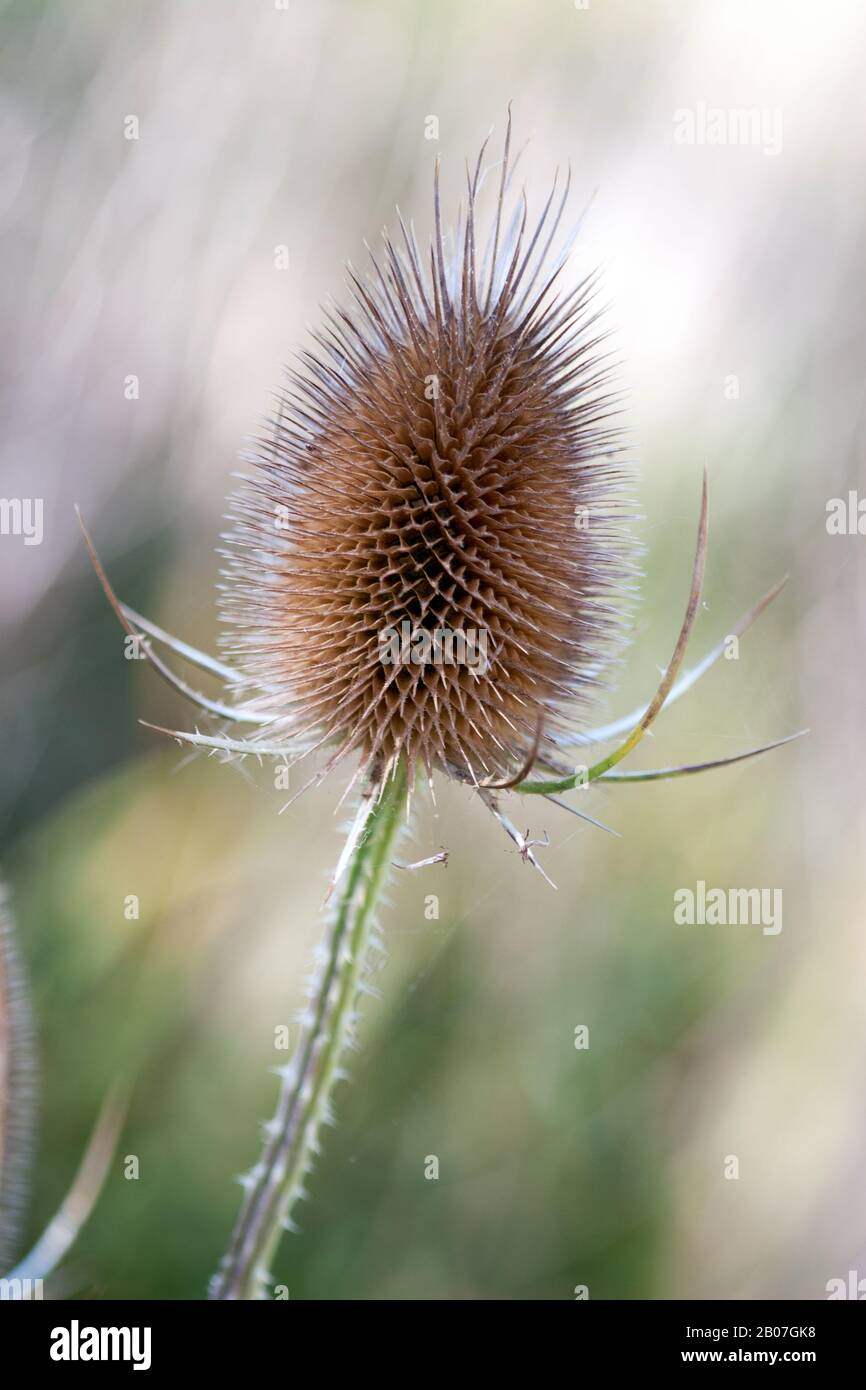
[302, 127]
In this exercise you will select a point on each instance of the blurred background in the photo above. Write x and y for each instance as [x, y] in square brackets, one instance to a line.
[736, 276]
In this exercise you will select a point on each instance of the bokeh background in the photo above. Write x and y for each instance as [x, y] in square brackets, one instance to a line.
[262, 125]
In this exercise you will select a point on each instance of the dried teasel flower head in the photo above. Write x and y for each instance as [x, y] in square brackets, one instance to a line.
[430, 558]
[445, 465]
[430, 563]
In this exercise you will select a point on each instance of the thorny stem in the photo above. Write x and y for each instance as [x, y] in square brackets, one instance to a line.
[276, 1183]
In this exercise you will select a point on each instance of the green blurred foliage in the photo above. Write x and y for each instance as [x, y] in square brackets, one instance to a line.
[558, 1167]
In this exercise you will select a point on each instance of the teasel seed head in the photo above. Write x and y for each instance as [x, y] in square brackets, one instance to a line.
[446, 459]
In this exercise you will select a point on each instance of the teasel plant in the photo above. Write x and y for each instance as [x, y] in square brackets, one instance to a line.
[18, 1094]
[446, 456]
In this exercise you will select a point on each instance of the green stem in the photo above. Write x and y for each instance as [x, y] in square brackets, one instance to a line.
[276, 1183]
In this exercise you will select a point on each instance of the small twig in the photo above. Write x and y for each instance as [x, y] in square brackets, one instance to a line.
[529, 845]
[440, 858]
[524, 846]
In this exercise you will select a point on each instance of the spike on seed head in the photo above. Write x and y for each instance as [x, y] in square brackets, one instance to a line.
[426, 473]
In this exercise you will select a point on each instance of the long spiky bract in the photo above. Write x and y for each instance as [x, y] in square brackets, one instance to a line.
[445, 460]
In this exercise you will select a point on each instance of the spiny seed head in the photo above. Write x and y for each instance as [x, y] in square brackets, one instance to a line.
[430, 558]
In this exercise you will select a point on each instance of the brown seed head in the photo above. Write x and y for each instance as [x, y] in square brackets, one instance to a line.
[430, 559]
